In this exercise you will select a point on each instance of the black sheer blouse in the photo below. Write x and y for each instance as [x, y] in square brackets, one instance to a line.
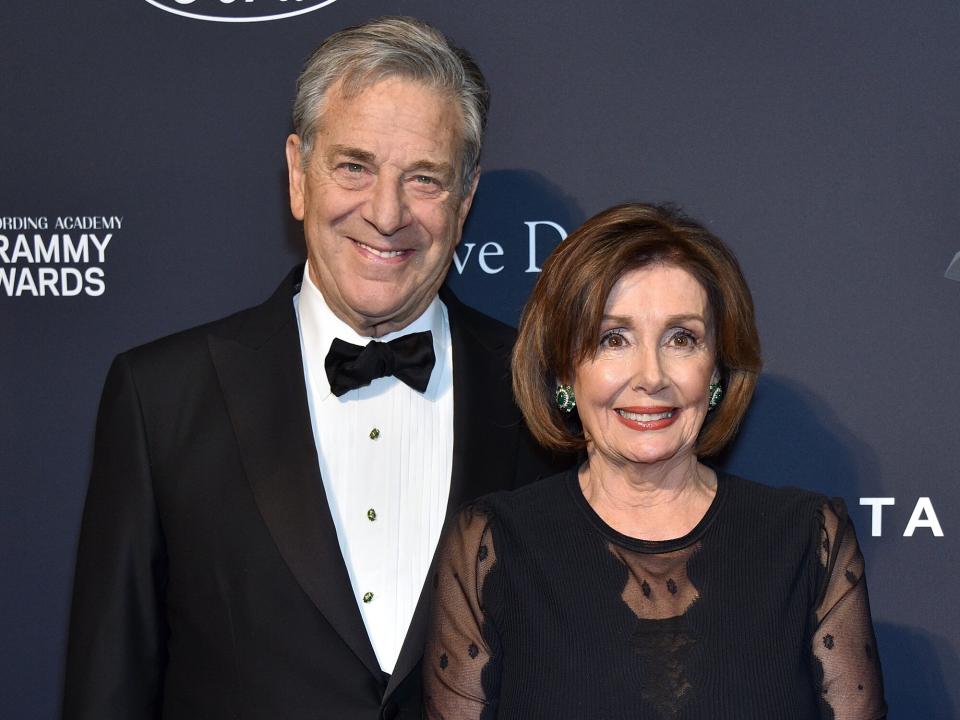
[541, 610]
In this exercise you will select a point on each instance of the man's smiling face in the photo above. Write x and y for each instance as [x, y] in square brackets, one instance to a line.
[380, 199]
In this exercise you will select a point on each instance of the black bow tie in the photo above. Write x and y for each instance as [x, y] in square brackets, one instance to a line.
[409, 358]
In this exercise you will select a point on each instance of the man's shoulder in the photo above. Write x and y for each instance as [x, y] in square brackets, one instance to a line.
[250, 326]
[488, 330]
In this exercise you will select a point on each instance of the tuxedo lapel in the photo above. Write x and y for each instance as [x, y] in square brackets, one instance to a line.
[485, 422]
[485, 418]
[261, 376]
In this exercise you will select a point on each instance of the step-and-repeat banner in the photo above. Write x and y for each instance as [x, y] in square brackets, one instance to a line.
[143, 190]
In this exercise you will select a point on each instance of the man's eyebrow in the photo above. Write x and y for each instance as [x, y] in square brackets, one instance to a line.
[440, 168]
[354, 153]
[367, 157]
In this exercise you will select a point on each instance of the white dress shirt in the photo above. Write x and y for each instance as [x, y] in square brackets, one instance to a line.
[385, 453]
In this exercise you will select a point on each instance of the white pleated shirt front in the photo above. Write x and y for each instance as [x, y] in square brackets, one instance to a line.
[385, 453]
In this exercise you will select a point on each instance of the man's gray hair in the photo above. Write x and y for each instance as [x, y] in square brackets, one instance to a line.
[361, 56]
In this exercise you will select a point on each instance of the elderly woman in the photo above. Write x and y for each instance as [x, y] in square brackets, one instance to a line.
[644, 583]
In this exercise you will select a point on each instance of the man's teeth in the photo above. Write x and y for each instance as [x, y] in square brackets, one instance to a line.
[381, 253]
[645, 417]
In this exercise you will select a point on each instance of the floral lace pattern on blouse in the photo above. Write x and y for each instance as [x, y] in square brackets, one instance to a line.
[540, 612]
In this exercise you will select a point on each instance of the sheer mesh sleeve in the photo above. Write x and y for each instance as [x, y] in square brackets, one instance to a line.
[843, 639]
[459, 663]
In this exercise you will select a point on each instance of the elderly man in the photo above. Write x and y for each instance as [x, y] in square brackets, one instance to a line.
[268, 489]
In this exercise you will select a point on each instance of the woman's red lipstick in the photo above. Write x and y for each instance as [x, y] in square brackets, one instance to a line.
[647, 418]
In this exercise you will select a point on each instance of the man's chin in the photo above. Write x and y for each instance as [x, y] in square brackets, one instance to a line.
[381, 317]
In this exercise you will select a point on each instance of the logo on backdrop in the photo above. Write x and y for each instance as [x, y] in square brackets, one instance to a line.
[239, 10]
[57, 256]
[923, 516]
[541, 235]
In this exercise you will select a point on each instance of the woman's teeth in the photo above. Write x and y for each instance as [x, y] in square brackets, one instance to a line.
[645, 417]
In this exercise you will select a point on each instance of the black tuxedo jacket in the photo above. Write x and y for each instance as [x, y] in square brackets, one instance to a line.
[209, 581]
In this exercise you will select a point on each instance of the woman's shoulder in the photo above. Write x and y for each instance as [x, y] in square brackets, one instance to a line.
[776, 503]
[540, 494]
[546, 500]
[775, 494]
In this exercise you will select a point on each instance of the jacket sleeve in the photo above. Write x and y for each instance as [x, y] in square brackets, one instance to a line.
[116, 651]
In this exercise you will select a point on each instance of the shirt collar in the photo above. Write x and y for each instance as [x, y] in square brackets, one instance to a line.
[318, 322]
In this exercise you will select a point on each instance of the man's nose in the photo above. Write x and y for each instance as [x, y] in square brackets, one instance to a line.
[387, 209]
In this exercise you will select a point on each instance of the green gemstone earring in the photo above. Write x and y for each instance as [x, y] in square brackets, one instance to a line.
[565, 399]
[714, 395]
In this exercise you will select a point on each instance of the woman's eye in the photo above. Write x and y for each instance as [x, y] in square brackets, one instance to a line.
[613, 339]
[683, 340]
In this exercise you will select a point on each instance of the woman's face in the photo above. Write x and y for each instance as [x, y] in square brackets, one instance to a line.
[643, 397]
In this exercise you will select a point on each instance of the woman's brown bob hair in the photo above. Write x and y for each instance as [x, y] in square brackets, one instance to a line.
[560, 327]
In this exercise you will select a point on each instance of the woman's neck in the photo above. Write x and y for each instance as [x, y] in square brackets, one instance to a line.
[659, 501]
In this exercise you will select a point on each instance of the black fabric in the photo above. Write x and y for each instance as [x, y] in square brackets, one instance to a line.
[209, 581]
[541, 610]
[409, 358]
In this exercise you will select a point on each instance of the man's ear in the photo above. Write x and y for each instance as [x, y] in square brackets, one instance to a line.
[295, 174]
[465, 202]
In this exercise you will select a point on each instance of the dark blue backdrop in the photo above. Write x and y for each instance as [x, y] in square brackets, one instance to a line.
[821, 139]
